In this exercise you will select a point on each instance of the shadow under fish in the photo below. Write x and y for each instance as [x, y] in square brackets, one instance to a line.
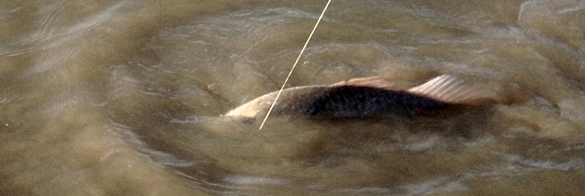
[367, 97]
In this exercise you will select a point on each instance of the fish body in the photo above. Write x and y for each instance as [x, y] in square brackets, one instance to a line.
[359, 101]
[363, 97]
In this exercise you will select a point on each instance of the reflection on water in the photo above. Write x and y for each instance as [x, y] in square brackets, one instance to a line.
[127, 97]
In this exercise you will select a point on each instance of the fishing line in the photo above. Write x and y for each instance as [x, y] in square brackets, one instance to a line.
[294, 65]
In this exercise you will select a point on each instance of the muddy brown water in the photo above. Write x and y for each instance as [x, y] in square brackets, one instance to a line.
[125, 97]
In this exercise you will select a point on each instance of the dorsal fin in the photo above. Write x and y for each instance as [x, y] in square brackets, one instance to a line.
[451, 89]
[374, 82]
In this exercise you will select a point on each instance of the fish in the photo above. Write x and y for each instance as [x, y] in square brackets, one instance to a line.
[364, 97]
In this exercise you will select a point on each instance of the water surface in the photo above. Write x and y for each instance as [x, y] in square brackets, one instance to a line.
[126, 97]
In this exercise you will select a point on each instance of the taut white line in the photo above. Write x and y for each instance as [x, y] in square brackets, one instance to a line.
[294, 65]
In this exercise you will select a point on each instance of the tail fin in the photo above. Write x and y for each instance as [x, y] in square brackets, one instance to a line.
[451, 89]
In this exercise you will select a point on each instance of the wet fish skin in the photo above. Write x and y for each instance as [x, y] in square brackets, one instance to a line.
[287, 104]
[361, 97]
[360, 101]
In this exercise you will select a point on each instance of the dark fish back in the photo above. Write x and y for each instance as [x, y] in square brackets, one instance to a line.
[359, 101]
